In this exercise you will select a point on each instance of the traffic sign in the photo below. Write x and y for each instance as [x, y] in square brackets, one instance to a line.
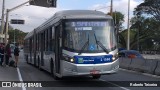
[44, 3]
[17, 21]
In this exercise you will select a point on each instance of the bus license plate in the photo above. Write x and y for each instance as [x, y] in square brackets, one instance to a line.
[94, 72]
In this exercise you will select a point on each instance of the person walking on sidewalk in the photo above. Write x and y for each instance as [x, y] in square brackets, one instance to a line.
[16, 54]
[1, 53]
[7, 54]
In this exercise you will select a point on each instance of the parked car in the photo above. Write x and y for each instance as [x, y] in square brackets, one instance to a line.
[130, 54]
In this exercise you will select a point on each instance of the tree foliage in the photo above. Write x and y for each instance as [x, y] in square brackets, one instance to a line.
[150, 7]
[17, 35]
[118, 18]
[123, 36]
[147, 32]
[146, 23]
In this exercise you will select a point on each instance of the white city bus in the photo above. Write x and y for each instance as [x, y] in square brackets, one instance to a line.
[74, 43]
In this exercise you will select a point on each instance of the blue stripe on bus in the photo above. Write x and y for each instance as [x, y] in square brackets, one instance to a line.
[93, 59]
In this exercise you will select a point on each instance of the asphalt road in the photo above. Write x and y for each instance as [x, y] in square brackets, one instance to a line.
[119, 81]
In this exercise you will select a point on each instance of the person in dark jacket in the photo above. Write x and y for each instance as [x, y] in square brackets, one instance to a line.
[16, 54]
[7, 54]
[1, 53]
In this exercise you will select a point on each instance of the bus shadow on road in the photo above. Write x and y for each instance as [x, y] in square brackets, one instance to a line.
[77, 83]
[83, 81]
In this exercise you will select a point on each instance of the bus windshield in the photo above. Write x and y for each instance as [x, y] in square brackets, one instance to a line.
[89, 36]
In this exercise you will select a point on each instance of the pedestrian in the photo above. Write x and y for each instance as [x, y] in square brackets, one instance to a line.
[16, 54]
[7, 54]
[1, 53]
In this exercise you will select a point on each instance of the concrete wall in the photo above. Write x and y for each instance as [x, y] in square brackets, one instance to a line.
[151, 66]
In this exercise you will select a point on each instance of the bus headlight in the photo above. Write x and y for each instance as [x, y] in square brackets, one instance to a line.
[115, 57]
[69, 59]
[72, 60]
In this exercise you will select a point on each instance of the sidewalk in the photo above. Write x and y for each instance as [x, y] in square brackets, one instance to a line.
[8, 74]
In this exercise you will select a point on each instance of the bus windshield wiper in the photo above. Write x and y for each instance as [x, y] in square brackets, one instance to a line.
[100, 44]
[87, 43]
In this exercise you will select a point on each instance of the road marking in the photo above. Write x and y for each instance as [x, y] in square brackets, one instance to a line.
[115, 85]
[20, 78]
[146, 74]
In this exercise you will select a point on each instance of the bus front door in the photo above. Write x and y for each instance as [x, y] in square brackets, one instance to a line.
[57, 49]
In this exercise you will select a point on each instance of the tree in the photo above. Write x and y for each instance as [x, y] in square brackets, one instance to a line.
[151, 7]
[146, 31]
[118, 18]
[123, 39]
[150, 10]
[19, 36]
[145, 27]
[136, 23]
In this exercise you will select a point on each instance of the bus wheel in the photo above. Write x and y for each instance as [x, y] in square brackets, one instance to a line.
[96, 76]
[55, 77]
[53, 72]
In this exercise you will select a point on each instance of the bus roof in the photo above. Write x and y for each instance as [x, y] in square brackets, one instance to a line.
[29, 35]
[85, 14]
[71, 14]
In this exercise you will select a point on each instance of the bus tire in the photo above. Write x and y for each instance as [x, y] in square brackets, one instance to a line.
[55, 77]
[96, 76]
[53, 72]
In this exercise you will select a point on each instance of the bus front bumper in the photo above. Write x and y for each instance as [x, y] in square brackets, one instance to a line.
[70, 69]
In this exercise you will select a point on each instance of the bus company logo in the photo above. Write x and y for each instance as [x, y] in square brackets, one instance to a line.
[6, 84]
[80, 60]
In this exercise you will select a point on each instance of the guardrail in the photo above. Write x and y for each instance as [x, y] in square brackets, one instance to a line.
[151, 66]
[151, 56]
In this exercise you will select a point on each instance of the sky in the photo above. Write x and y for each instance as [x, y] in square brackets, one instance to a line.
[36, 15]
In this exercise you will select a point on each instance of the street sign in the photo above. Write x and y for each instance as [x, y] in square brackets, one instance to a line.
[44, 3]
[17, 21]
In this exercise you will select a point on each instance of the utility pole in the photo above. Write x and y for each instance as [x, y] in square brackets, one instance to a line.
[6, 26]
[7, 16]
[128, 40]
[111, 9]
[2, 21]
